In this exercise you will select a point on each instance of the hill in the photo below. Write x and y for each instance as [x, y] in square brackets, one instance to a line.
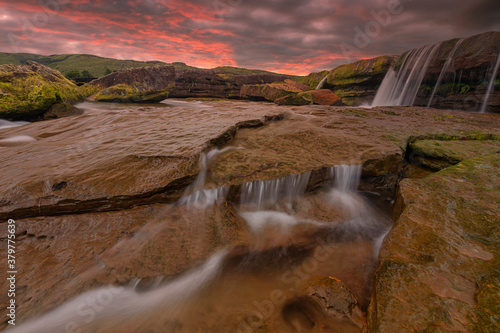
[100, 66]
[65, 63]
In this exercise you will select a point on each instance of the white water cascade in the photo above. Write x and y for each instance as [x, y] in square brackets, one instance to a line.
[321, 83]
[195, 194]
[401, 87]
[490, 85]
[113, 306]
[265, 194]
[277, 229]
[445, 69]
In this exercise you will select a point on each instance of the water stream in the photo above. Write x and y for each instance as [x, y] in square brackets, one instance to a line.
[401, 87]
[293, 235]
[490, 85]
[445, 69]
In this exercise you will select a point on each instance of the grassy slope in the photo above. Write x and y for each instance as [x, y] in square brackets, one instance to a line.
[67, 62]
[97, 65]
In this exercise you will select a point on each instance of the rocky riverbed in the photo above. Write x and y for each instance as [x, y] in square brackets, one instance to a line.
[97, 203]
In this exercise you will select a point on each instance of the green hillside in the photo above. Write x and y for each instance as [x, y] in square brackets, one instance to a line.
[99, 66]
[65, 63]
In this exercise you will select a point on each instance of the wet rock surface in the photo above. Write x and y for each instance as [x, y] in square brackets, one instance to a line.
[154, 84]
[438, 155]
[439, 264]
[93, 198]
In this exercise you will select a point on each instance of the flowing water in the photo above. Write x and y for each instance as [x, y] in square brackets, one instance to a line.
[490, 85]
[293, 236]
[446, 68]
[322, 82]
[400, 87]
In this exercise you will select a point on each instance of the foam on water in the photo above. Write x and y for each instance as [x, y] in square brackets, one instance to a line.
[9, 124]
[266, 194]
[16, 140]
[115, 304]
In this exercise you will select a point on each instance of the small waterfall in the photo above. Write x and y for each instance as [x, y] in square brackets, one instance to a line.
[114, 306]
[490, 85]
[400, 88]
[347, 177]
[265, 194]
[195, 195]
[445, 69]
[321, 83]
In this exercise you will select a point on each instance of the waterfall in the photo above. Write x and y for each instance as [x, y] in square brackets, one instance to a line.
[445, 69]
[400, 88]
[265, 194]
[322, 82]
[347, 177]
[490, 85]
[114, 306]
[195, 195]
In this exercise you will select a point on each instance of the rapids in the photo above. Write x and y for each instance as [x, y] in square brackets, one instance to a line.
[289, 243]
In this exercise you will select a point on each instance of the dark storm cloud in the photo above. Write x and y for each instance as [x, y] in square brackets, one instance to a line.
[294, 36]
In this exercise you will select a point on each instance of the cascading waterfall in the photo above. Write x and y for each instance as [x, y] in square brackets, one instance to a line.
[401, 87]
[176, 302]
[490, 85]
[195, 195]
[265, 194]
[445, 69]
[321, 83]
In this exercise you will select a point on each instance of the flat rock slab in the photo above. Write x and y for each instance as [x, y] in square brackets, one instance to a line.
[439, 154]
[316, 137]
[114, 156]
[439, 264]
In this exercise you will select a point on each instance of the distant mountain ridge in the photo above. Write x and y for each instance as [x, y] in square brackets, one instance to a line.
[99, 66]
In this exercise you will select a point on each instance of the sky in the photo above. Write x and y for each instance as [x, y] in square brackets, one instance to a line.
[286, 36]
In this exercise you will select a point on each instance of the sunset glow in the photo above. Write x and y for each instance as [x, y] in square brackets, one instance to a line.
[296, 37]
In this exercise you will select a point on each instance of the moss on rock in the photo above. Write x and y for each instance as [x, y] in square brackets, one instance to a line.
[28, 91]
[124, 93]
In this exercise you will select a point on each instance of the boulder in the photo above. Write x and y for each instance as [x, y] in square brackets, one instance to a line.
[292, 99]
[28, 91]
[144, 84]
[326, 302]
[272, 91]
[61, 110]
[322, 97]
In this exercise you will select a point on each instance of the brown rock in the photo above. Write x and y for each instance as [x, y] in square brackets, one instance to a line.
[439, 263]
[61, 110]
[105, 171]
[325, 302]
[272, 91]
[292, 99]
[159, 82]
[322, 97]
